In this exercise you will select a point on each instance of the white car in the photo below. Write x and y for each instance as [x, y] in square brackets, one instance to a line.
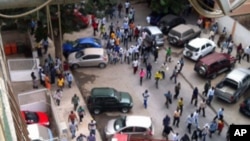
[198, 48]
[131, 125]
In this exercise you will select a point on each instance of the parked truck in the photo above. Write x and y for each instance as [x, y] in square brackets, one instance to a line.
[235, 84]
[182, 34]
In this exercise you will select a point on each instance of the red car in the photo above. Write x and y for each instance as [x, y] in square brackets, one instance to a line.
[80, 19]
[35, 117]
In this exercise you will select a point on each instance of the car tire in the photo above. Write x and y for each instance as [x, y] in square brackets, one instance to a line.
[124, 110]
[96, 111]
[102, 65]
[75, 66]
[202, 70]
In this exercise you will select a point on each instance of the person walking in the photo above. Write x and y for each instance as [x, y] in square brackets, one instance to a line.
[158, 76]
[145, 98]
[181, 63]
[180, 105]
[168, 97]
[91, 137]
[220, 126]
[196, 118]
[81, 113]
[164, 67]
[219, 114]
[60, 82]
[72, 117]
[92, 127]
[75, 101]
[81, 137]
[177, 89]
[166, 121]
[47, 82]
[176, 117]
[166, 131]
[195, 96]
[69, 78]
[204, 132]
[206, 87]
[213, 126]
[174, 74]
[142, 74]
[119, 7]
[73, 127]
[246, 53]
[210, 95]
[149, 69]
[202, 107]
[168, 54]
[58, 96]
[127, 6]
[135, 66]
[34, 80]
[156, 52]
[176, 137]
[189, 122]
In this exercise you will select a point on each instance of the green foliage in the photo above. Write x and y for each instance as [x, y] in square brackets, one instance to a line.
[164, 6]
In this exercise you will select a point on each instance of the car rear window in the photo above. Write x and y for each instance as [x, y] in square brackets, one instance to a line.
[173, 32]
[192, 48]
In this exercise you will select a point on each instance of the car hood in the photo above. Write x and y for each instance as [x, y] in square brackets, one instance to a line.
[126, 98]
[67, 47]
[109, 129]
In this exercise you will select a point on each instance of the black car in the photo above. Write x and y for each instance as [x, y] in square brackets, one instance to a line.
[169, 21]
[155, 17]
[245, 107]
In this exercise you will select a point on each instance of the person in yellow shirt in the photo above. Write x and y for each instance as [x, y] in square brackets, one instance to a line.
[180, 105]
[158, 76]
[60, 82]
[112, 35]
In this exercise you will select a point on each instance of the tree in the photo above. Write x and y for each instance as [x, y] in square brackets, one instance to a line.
[167, 6]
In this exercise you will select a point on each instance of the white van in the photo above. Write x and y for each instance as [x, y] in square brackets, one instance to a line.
[38, 132]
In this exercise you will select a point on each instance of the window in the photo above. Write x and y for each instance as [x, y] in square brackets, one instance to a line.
[87, 57]
[140, 129]
[208, 45]
[127, 130]
[79, 54]
[110, 101]
[203, 47]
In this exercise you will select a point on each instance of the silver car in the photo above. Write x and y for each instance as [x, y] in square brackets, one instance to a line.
[154, 32]
[131, 125]
[88, 57]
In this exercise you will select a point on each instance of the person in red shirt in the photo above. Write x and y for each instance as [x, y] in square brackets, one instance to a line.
[95, 26]
[220, 126]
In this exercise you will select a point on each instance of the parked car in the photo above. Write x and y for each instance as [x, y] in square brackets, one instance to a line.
[35, 117]
[245, 107]
[182, 34]
[198, 48]
[155, 17]
[89, 57]
[169, 21]
[212, 65]
[81, 43]
[154, 33]
[234, 85]
[38, 132]
[80, 19]
[109, 99]
[131, 125]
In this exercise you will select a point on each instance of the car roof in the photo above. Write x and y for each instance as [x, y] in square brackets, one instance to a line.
[154, 30]
[89, 40]
[102, 92]
[238, 74]
[169, 17]
[181, 27]
[139, 121]
[211, 58]
[198, 42]
[98, 51]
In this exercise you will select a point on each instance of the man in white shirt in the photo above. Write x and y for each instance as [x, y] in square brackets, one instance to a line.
[246, 53]
[210, 95]
[127, 5]
[135, 65]
[145, 98]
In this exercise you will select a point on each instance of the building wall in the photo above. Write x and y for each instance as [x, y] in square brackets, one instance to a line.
[241, 34]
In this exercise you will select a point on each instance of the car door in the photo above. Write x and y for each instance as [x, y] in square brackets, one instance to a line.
[110, 103]
[127, 130]
[140, 130]
[209, 48]
[223, 65]
[89, 60]
[203, 50]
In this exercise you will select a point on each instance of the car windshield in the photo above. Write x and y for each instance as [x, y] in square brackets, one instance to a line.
[31, 116]
[75, 43]
[117, 94]
[119, 123]
[158, 36]
[174, 33]
[98, 41]
[191, 48]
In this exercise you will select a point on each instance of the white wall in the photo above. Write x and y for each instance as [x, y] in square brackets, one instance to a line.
[241, 35]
